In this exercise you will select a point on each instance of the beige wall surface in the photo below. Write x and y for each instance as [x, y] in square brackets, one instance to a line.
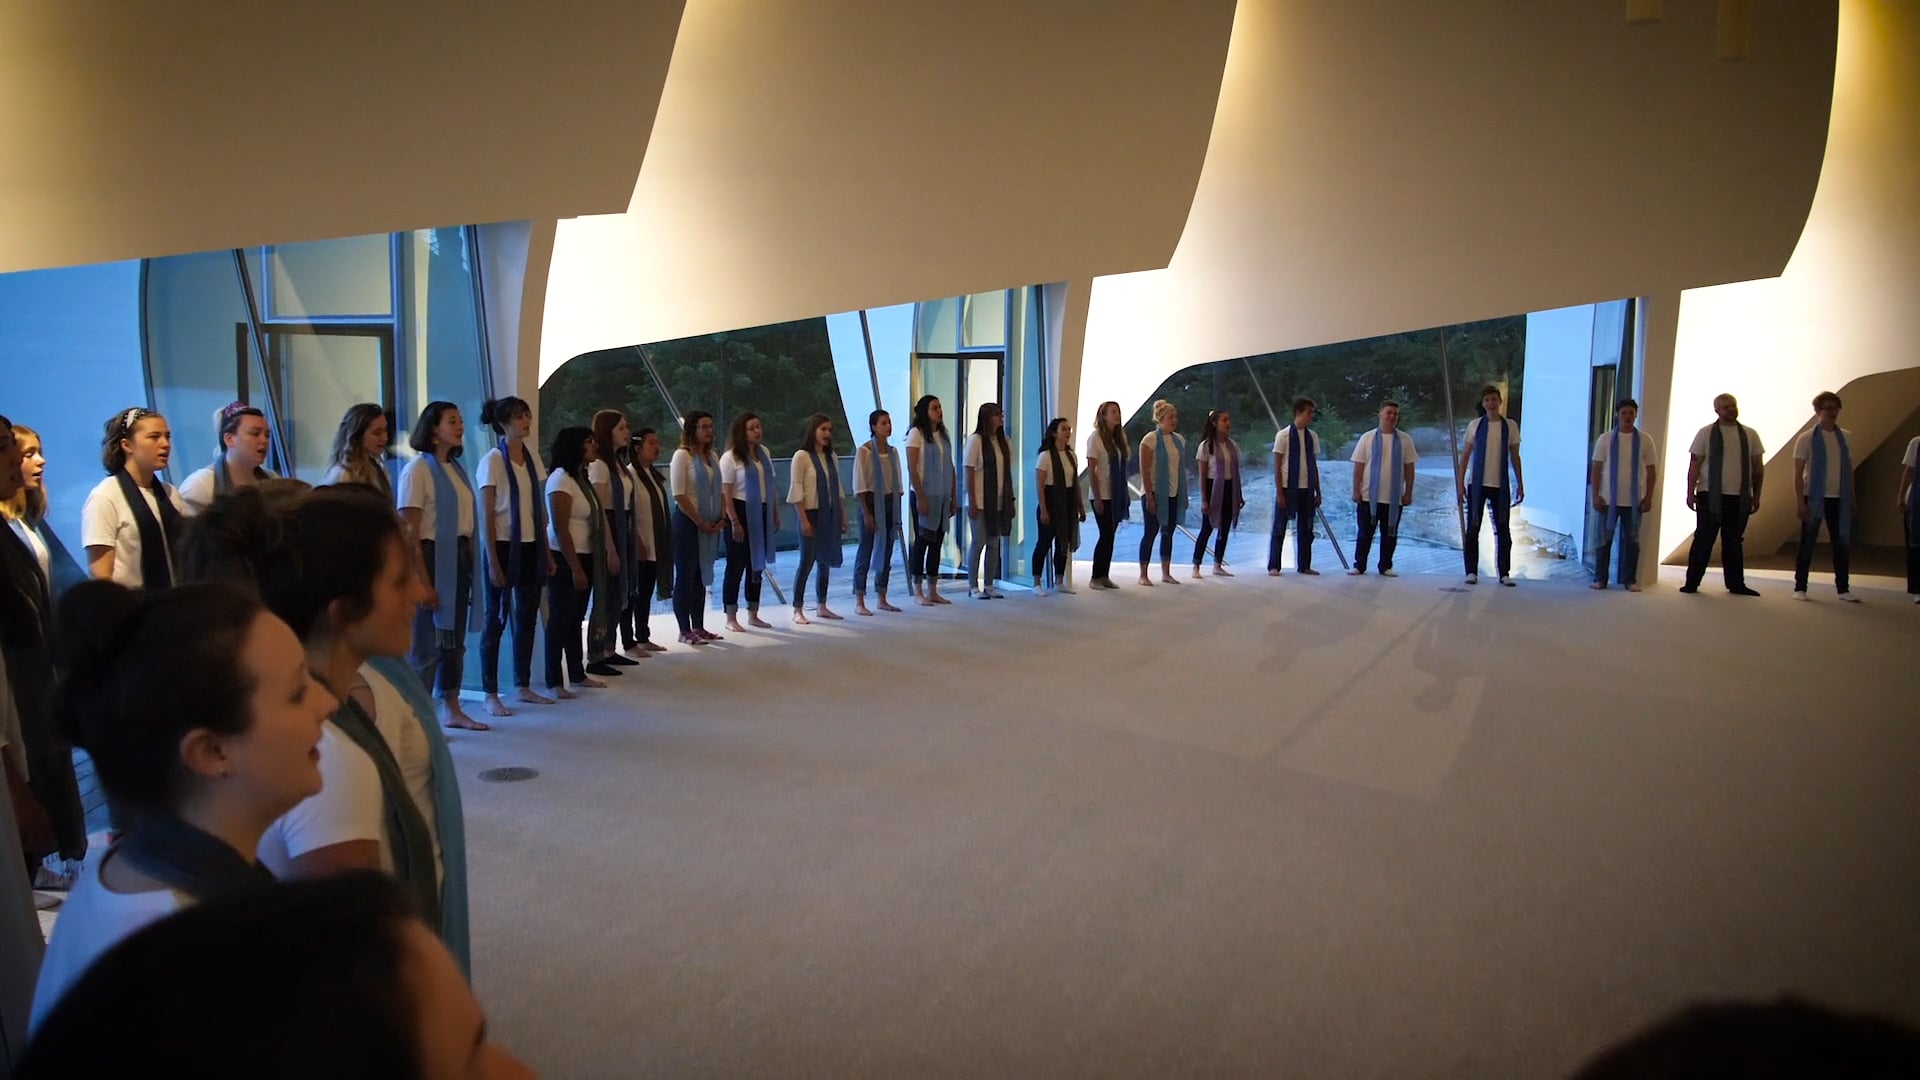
[146, 129]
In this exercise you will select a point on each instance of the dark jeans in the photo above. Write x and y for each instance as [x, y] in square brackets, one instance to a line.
[566, 616]
[1108, 523]
[1153, 527]
[1299, 510]
[440, 658]
[923, 559]
[1230, 514]
[1913, 558]
[873, 542]
[1626, 522]
[1810, 535]
[1369, 516]
[810, 558]
[1731, 529]
[740, 562]
[633, 628]
[689, 588]
[1056, 539]
[520, 597]
[1502, 504]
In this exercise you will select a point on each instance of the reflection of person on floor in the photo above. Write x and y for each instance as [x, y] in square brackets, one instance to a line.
[1296, 489]
[1492, 443]
[1218, 462]
[1909, 506]
[1723, 495]
[1107, 455]
[1624, 460]
[989, 460]
[1382, 488]
[876, 484]
[1823, 488]
[1163, 478]
[1056, 476]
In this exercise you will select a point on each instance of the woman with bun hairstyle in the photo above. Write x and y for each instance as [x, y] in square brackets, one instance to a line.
[239, 461]
[935, 479]
[438, 505]
[753, 517]
[360, 449]
[612, 592]
[577, 531]
[334, 564]
[653, 542]
[1163, 479]
[203, 721]
[514, 540]
[131, 521]
[698, 517]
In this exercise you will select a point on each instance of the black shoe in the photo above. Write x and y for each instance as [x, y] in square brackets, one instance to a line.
[1689, 589]
[622, 661]
[1743, 591]
[602, 668]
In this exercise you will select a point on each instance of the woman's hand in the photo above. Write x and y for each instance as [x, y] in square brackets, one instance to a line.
[579, 576]
[739, 530]
[613, 562]
[806, 526]
[497, 574]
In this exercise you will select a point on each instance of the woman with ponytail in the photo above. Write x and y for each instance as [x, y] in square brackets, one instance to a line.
[131, 521]
[514, 531]
[204, 723]
[1218, 460]
[438, 505]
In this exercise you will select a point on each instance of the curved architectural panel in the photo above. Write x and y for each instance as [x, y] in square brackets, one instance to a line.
[152, 129]
[1843, 309]
[1377, 167]
[829, 155]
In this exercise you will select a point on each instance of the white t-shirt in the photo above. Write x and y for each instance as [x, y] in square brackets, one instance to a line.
[397, 723]
[30, 536]
[735, 474]
[917, 441]
[804, 491]
[1280, 444]
[1363, 455]
[1622, 493]
[600, 476]
[197, 491]
[350, 807]
[93, 919]
[493, 474]
[1149, 471]
[680, 476]
[1043, 463]
[1223, 469]
[643, 515]
[1494, 475]
[1730, 462]
[107, 521]
[417, 493]
[1098, 462]
[1803, 456]
[863, 469]
[579, 513]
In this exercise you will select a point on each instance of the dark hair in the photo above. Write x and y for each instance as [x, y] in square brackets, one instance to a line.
[1053, 428]
[691, 423]
[497, 413]
[422, 438]
[28, 506]
[737, 437]
[923, 419]
[142, 670]
[1823, 398]
[570, 451]
[1775, 1041]
[299, 549]
[229, 420]
[1210, 431]
[1490, 389]
[988, 408]
[1627, 403]
[353, 431]
[604, 422]
[301, 981]
[810, 438]
[1389, 404]
[1302, 404]
[113, 456]
[873, 420]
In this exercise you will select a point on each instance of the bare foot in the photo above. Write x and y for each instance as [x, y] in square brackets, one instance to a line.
[1196, 573]
[860, 607]
[496, 707]
[884, 606]
[531, 697]
[800, 618]
[1221, 571]
[1273, 573]
[923, 601]
[754, 620]
[455, 717]
[562, 693]
[1169, 579]
[1597, 587]
[827, 613]
[938, 599]
[734, 625]
[590, 683]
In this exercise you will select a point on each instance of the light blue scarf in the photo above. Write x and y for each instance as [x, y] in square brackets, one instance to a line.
[826, 490]
[886, 501]
[754, 494]
[1169, 476]
[936, 480]
[1613, 475]
[1817, 481]
[1476, 481]
[446, 547]
[1392, 468]
[706, 497]
[449, 818]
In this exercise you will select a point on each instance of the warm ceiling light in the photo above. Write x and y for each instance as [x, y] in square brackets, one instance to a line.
[1645, 11]
[1734, 35]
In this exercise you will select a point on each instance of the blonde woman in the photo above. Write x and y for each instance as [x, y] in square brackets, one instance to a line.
[1163, 476]
[360, 449]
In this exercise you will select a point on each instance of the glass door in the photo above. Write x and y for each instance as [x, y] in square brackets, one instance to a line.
[315, 371]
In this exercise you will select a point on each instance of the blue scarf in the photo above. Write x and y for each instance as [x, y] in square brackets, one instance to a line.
[1224, 500]
[1169, 476]
[936, 481]
[826, 528]
[759, 536]
[1476, 481]
[1119, 495]
[621, 514]
[886, 501]
[1613, 475]
[1392, 468]
[1817, 481]
[706, 498]
[449, 819]
[446, 547]
[223, 477]
[517, 543]
[1299, 446]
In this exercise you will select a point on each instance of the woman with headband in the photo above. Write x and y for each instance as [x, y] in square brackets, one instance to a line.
[131, 520]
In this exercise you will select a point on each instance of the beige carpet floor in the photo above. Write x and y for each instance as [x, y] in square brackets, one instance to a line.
[1308, 827]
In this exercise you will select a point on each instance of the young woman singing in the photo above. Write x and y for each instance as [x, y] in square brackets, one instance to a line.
[817, 498]
[935, 480]
[753, 517]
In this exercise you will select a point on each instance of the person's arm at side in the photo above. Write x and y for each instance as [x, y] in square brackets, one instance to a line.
[1040, 485]
[1646, 493]
[1202, 466]
[1279, 478]
[1799, 479]
[1406, 484]
[413, 520]
[1759, 466]
[495, 572]
[919, 487]
[729, 491]
[1359, 479]
[802, 472]
[1146, 472]
[1595, 476]
[1519, 477]
[99, 522]
[560, 512]
[973, 485]
[1906, 485]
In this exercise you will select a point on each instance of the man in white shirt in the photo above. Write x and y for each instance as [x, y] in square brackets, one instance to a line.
[1382, 488]
[1624, 461]
[1493, 443]
[1296, 489]
[1724, 477]
[1908, 503]
[1823, 490]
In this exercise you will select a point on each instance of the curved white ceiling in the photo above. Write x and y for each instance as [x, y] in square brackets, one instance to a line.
[813, 156]
[143, 129]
